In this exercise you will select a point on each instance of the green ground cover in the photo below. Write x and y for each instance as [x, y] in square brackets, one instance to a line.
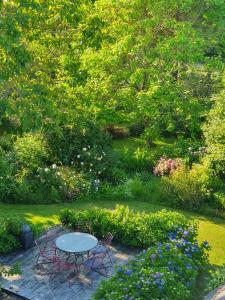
[211, 229]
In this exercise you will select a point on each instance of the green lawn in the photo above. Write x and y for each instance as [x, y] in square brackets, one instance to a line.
[210, 228]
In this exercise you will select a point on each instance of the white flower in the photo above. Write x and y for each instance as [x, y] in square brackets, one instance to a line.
[89, 153]
[71, 162]
[91, 165]
[90, 170]
[89, 146]
[54, 166]
[99, 158]
[78, 156]
[46, 169]
[58, 173]
[99, 172]
[82, 163]
[84, 149]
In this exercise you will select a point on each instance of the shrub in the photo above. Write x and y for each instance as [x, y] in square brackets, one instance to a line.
[166, 271]
[136, 129]
[10, 233]
[167, 166]
[31, 151]
[215, 278]
[117, 132]
[185, 189]
[7, 176]
[129, 228]
[51, 185]
[69, 141]
[8, 242]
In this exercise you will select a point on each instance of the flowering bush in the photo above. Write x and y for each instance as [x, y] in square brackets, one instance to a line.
[131, 229]
[167, 166]
[166, 271]
[91, 160]
[51, 184]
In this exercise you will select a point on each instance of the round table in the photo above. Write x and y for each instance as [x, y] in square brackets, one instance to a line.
[76, 242]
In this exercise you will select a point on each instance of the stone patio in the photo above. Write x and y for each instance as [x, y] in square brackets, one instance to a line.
[33, 284]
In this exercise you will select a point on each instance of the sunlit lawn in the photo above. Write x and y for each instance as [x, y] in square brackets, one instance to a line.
[210, 229]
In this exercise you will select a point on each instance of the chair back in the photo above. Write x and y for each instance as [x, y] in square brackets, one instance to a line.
[41, 245]
[108, 239]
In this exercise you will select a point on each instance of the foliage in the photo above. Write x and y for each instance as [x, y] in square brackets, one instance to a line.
[141, 41]
[167, 166]
[31, 151]
[6, 271]
[129, 228]
[168, 270]
[214, 131]
[117, 132]
[8, 242]
[10, 231]
[215, 278]
[188, 188]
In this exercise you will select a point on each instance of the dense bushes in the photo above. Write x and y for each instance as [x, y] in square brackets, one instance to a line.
[10, 231]
[128, 228]
[215, 278]
[167, 271]
[57, 166]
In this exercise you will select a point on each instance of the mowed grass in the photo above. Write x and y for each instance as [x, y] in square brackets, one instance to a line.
[211, 229]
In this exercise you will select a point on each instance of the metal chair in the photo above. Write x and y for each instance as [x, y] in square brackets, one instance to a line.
[103, 247]
[96, 263]
[46, 252]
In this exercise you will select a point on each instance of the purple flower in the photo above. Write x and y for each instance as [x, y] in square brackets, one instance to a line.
[153, 256]
[157, 275]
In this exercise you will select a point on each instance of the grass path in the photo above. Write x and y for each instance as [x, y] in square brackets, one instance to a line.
[210, 228]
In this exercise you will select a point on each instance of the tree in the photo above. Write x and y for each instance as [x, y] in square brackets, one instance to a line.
[214, 132]
[157, 62]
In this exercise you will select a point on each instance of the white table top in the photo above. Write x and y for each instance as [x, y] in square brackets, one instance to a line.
[76, 242]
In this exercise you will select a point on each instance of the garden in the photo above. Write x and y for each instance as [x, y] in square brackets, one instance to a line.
[119, 119]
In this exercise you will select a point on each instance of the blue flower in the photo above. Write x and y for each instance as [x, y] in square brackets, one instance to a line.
[138, 286]
[206, 244]
[128, 272]
[189, 266]
[168, 247]
[119, 270]
[188, 255]
[186, 232]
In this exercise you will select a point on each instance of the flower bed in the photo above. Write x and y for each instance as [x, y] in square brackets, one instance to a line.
[166, 271]
[128, 228]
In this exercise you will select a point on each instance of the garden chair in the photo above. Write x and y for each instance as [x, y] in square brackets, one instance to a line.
[96, 263]
[47, 250]
[68, 264]
[103, 247]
